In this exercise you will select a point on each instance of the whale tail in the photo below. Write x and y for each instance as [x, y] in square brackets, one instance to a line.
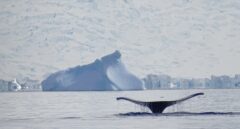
[133, 101]
[159, 106]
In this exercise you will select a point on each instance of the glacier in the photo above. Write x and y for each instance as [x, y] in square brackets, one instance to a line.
[164, 81]
[107, 73]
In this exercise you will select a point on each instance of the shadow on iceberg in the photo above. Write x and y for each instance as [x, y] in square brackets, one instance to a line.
[105, 74]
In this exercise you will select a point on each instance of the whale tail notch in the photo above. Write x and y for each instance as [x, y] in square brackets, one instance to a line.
[158, 106]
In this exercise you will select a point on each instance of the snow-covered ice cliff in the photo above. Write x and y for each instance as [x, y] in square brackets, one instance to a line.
[182, 38]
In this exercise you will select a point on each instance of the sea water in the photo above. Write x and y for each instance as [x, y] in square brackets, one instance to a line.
[216, 109]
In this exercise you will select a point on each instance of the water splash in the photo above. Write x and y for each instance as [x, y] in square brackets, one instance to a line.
[180, 114]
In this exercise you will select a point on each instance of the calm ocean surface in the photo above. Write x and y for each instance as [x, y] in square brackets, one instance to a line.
[217, 109]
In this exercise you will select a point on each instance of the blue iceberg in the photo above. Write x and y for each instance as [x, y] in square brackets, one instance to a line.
[105, 74]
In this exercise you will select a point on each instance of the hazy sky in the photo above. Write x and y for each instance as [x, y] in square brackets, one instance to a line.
[183, 38]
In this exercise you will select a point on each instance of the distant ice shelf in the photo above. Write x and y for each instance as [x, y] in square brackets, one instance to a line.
[107, 73]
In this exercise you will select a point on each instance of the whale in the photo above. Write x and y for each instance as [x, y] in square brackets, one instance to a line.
[159, 106]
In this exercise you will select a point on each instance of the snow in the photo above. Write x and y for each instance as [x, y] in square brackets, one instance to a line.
[107, 73]
[181, 38]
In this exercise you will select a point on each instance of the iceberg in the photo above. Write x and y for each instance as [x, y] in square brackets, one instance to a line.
[15, 86]
[105, 74]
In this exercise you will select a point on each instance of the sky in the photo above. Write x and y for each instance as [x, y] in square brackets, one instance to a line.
[181, 38]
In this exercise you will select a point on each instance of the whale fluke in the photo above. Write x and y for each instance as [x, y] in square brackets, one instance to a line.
[158, 106]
